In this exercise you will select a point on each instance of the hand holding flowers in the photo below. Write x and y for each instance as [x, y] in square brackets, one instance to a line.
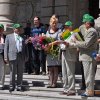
[46, 43]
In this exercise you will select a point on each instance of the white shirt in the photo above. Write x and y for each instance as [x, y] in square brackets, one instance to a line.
[18, 40]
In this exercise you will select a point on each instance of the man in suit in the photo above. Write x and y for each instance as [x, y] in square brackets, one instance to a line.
[2, 66]
[87, 48]
[83, 29]
[69, 57]
[15, 53]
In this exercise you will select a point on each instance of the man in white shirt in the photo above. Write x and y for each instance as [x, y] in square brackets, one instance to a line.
[15, 52]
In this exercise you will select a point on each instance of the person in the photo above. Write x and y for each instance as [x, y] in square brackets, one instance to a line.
[15, 52]
[2, 65]
[87, 48]
[61, 27]
[27, 29]
[69, 57]
[59, 24]
[82, 29]
[97, 54]
[39, 57]
[52, 62]
[29, 64]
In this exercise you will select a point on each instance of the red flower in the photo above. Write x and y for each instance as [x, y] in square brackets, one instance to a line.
[39, 42]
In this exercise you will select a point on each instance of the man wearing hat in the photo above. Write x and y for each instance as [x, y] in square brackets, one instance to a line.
[86, 50]
[68, 66]
[15, 53]
[82, 29]
[2, 67]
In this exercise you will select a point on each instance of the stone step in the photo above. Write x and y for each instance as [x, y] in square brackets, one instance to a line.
[40, 77]
[39, 80]
[39, 85]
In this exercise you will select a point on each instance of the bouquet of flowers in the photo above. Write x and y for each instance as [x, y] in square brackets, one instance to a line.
[53, 50]
[40, 42]
[37, 42]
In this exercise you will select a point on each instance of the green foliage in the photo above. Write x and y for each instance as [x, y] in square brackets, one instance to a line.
[54, 49]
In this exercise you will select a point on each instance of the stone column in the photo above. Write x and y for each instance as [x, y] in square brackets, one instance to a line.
[7, 12]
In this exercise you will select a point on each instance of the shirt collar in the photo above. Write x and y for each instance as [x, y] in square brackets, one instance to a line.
[15, 34]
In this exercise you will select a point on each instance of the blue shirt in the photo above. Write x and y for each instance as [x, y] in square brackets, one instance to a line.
[38, 30]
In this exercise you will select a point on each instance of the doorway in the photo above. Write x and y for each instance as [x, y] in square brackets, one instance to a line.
[94, 8]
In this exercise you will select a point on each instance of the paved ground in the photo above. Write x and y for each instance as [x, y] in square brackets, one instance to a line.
[18, 97]
[36, 89]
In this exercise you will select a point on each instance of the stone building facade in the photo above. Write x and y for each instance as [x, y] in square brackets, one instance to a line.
[12, 11]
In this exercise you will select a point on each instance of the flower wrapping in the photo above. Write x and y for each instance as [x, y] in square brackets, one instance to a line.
[69, 37]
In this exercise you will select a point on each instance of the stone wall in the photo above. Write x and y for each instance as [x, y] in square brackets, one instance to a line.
[66, 9]
[23, 10]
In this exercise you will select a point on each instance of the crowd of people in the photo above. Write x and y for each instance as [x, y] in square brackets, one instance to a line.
[20, 52]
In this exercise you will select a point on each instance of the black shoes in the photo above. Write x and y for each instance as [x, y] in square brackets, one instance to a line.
[11, 89]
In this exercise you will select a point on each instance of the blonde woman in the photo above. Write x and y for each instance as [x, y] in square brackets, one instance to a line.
[53, 63]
